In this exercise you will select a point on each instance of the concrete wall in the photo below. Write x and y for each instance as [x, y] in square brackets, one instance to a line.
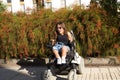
[57, 4]
[15, 5]
[53, 4]
[28, 5]
[85, 2]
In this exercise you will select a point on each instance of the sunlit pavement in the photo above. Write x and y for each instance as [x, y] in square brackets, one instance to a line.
[14, 71]
[34, 73]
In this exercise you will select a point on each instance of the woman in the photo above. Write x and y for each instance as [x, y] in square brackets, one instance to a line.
[63, 38]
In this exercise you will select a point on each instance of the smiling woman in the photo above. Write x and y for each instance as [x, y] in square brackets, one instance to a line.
[63, 37]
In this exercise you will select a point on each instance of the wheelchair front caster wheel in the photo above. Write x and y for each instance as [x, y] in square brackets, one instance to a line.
[46, 75]
[81, 67]
[72, 75]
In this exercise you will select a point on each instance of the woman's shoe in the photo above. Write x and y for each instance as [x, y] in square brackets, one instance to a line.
[59, 61]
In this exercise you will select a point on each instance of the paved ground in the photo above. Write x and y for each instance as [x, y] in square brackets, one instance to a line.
[34, 73]
[13, 70]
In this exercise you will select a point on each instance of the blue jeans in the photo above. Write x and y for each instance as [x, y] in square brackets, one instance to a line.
[58, 46]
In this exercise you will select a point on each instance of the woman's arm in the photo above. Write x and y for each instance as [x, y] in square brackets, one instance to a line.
[70, 36]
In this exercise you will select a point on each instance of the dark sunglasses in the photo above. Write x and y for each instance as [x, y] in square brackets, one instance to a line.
[59, 28]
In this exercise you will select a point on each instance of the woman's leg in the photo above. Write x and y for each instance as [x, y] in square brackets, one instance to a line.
[57, 56]
[56, 53]
[64, 53]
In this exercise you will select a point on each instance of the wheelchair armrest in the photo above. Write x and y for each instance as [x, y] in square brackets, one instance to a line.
[49, 45]
[72, 45]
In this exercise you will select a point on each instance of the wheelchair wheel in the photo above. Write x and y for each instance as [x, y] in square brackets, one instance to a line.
[46, 75]
[72, 75]
[81, 67]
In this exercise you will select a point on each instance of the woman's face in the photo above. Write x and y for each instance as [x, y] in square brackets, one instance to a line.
[60, 29]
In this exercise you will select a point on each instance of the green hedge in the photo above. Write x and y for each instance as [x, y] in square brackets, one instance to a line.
[26, 35]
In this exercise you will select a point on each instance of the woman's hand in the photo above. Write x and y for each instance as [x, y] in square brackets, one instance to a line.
[53, 41]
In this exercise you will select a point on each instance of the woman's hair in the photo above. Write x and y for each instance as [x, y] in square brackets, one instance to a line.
[62, 25]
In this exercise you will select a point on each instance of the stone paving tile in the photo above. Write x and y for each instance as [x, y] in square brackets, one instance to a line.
[34, 73]
[14, 71]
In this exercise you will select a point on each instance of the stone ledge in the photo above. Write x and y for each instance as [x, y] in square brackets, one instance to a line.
[102, 61]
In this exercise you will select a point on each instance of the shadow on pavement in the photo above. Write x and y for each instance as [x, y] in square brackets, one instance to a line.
[34, 68]
[8, 74]
[31, 62]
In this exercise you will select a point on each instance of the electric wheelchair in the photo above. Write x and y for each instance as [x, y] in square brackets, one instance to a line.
[74, 64]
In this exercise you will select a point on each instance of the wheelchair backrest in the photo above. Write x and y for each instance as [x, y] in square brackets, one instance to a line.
[73, 42]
